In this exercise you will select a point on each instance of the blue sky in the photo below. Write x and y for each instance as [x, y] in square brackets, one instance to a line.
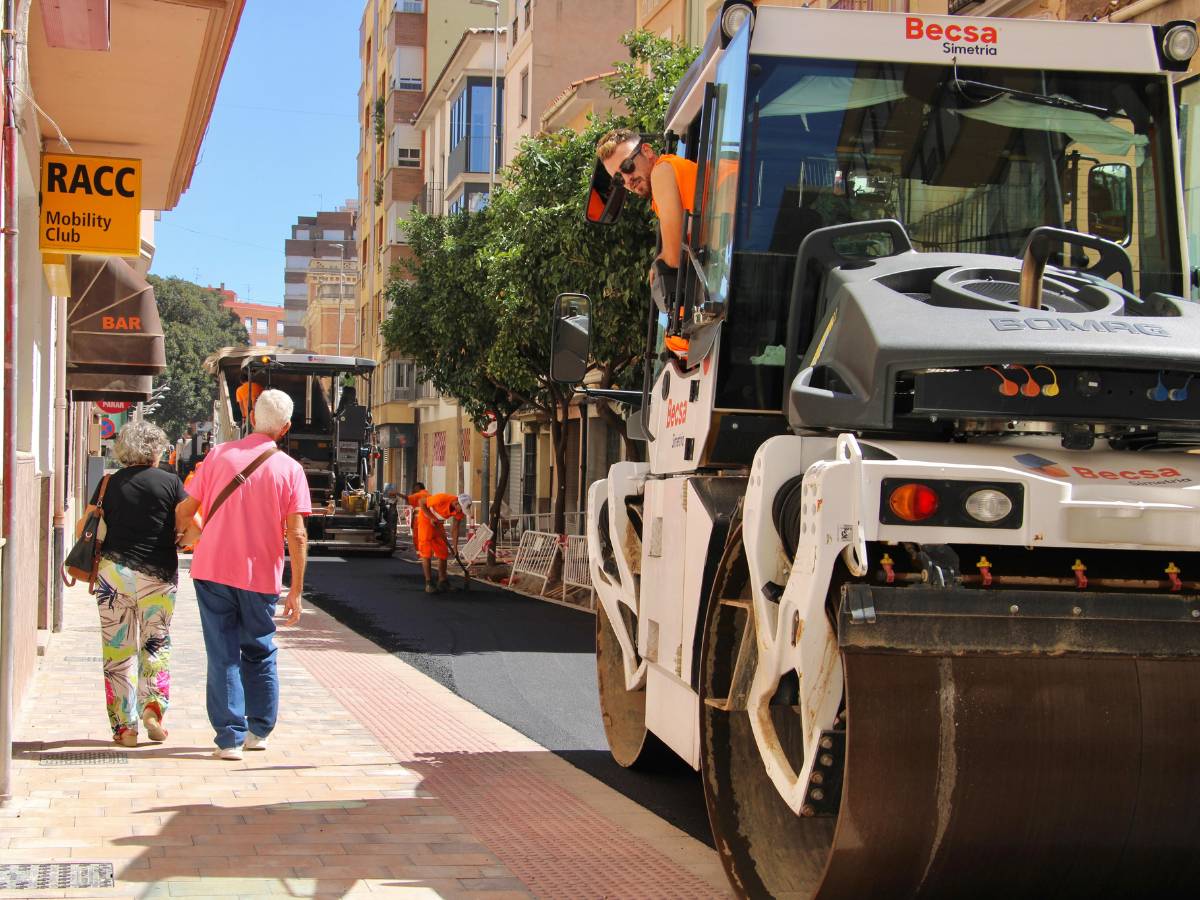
[282, 141]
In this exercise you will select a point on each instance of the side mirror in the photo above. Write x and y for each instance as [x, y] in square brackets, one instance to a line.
[605, 199]
[571, 338]
[1110, 202]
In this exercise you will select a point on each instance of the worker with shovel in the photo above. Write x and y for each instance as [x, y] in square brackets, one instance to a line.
[430, 534]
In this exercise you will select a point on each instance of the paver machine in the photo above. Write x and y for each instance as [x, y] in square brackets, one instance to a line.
[911, 574]
[332, 437]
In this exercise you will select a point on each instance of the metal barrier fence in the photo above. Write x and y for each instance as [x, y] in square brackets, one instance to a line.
[535, 558]
[577, 577]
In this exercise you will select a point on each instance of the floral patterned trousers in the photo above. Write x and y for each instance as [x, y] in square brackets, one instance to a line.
[135, 625]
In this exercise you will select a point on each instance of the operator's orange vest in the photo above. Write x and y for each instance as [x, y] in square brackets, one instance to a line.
[685, 177]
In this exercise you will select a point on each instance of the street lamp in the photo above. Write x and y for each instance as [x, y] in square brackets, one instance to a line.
[495, 137]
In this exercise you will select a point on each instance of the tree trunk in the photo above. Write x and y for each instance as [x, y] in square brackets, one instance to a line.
[501, 485]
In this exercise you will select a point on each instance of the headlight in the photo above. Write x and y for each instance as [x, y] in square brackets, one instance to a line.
[733, 17]
[1180, 43]
[988, 505]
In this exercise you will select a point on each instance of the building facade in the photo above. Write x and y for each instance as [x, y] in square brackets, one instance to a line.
[327, 235]
[265, 324]
[58, 50]
[331, 318]
[400, 44]
[546, 54]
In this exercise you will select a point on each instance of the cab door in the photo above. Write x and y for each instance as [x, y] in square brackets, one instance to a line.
[1188, 94]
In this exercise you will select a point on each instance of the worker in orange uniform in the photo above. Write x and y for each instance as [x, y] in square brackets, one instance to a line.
[246, 395]
[669, 181]
[430, 533]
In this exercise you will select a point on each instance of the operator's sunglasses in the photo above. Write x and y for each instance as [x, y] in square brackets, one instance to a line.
[628, 164]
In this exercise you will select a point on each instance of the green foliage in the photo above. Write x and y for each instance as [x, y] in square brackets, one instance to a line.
[646, 81]
[473, 305]
[194, 325]
[540, 246]
[379, 120]
[439, 312]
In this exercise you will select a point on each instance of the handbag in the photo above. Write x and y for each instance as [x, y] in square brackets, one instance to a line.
[192, 534]
[84, 559]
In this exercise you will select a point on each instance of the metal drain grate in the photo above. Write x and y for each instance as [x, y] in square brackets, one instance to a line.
[55, 876]
[84, 758]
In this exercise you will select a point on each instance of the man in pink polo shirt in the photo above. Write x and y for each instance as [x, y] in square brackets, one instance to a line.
[238, 572]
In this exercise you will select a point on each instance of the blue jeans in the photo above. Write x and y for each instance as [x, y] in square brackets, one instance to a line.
[243, 685]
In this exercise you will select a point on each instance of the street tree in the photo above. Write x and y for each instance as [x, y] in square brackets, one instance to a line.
[194, 325]
[442, 320]
[474, 304]
[539, 245]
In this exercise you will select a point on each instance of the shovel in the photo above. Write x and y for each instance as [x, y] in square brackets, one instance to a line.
[466, 574]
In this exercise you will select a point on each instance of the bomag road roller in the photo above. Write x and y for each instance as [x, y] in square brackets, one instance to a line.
[911, 573]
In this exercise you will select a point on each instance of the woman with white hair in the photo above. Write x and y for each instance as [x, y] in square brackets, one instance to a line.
[135, 585]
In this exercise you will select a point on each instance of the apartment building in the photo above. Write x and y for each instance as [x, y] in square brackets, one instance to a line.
[265, 324]
[400, 43]
[88, 64]
[455, 124]
[546, 54]
[331, 318]
[327, 235]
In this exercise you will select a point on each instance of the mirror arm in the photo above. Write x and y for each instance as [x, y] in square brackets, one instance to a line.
[632, 398]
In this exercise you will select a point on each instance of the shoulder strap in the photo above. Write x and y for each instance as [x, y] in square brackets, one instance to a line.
[237, 481]
[100, 496]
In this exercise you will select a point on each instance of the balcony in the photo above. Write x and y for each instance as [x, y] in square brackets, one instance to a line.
[429, 200]
[409, 6]
[470, 156]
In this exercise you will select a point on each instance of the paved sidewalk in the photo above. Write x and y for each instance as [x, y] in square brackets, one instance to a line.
[378, 781]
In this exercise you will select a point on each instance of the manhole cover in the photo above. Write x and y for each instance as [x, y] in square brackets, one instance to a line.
[84, 758]
[54, 876]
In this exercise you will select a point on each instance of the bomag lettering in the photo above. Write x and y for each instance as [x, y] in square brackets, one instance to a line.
[1126, 474]
[79, 179]
[1101, 326]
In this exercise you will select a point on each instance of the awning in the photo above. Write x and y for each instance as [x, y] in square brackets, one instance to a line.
[133, 388]
[112, 320]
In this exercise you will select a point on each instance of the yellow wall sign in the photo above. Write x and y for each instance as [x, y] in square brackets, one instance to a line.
[91, 204]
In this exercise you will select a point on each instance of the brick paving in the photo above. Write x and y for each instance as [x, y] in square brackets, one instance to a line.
[377, 780]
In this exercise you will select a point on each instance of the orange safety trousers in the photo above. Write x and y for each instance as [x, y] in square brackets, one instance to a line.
[429, 537]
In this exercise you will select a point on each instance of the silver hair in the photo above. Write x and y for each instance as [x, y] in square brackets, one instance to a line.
[140, 444]
[272, 410]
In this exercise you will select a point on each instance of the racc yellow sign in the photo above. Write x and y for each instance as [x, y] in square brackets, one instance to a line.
[91, 204]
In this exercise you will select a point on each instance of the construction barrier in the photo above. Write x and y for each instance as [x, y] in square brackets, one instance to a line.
[535, 558]
[577, 577]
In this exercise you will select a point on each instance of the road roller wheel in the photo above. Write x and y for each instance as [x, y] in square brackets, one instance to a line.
[623, 711]
[767, 850]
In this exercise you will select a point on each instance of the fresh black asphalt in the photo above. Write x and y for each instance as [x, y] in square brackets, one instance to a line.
[528, 663]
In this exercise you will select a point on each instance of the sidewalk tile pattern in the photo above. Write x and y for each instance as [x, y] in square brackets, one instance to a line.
[378, 781]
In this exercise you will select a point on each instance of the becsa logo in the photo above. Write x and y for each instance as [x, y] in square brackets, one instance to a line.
[676, 413]
[960, 40]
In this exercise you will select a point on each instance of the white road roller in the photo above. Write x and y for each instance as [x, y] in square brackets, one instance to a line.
[910, 574]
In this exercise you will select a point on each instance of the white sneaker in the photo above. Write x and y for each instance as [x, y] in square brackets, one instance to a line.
[254, 742]
[234, 753]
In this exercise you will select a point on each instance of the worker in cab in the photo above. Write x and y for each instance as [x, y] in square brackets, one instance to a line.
[246, 396]
[669, 182]
[429, 533]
